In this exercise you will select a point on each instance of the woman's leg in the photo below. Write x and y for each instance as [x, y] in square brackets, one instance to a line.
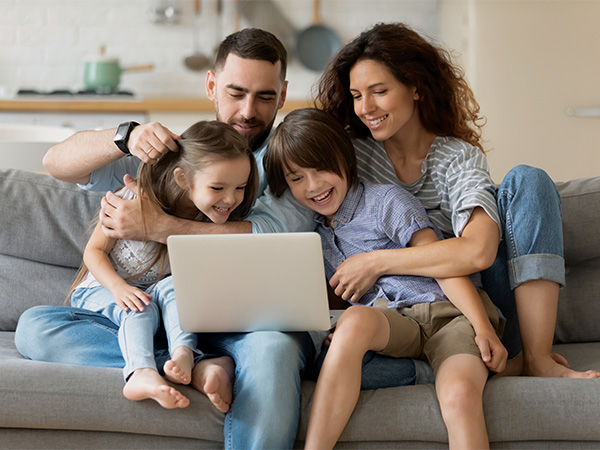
[459, 384]
[530, 209]
[358, 330]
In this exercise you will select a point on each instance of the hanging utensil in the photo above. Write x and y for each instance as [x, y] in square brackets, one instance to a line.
[196, 60]
[317, 44]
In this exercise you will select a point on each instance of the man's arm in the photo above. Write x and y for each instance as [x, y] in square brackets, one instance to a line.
[75, 159]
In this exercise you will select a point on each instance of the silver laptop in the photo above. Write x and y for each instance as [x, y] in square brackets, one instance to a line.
[249, 282]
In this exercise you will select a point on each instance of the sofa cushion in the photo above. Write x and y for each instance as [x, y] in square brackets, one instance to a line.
[44, 225]
[579, 301]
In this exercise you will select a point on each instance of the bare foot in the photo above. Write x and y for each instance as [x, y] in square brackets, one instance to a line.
[147, 383]
[515, 367]
[179, 368]
[554, 367]
[214, 378]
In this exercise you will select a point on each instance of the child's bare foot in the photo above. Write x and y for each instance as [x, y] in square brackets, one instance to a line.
[556, 367]
[214, 378]
[179, 368]
[147, 383]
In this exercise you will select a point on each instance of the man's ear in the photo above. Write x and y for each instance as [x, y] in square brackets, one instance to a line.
[211, 85]
[181, 179]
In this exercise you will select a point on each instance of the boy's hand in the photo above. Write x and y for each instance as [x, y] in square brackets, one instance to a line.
[354, 276]
[493, 353]
[130, 298]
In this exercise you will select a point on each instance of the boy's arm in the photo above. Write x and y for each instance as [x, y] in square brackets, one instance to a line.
[463, 294]
[95, 257]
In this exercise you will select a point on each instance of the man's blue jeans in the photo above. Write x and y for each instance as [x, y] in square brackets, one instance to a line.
[532, 244]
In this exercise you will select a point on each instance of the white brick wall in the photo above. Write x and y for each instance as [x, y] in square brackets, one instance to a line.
[43, 43]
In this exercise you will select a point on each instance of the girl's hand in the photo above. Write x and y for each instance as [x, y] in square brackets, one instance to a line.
[131, 298]
[355, 276]
[493, 353]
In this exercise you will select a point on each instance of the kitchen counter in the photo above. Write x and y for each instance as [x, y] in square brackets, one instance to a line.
[120, 105]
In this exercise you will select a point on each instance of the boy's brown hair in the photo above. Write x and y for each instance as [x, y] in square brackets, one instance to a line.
[309, 138]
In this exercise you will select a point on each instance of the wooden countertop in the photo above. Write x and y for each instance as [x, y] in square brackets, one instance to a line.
[126, 105]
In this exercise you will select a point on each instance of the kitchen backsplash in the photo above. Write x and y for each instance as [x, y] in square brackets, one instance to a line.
[43, 43]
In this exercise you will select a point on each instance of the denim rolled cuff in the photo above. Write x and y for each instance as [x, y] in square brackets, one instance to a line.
[536, 267]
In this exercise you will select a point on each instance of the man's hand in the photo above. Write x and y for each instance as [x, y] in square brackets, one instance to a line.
[150, 141]
[122, 219]
[493, 353]
[355, 276]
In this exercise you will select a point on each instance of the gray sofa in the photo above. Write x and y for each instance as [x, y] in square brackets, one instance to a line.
[43, 405]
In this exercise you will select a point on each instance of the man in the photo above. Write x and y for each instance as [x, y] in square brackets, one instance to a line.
[248, 87]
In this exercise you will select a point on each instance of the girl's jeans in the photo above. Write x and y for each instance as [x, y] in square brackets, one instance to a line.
[137, 329]
[532, 246]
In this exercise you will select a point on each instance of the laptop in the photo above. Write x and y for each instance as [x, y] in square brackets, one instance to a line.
[249, 282]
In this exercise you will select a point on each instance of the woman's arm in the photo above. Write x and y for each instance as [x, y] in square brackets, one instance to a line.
[473, 252]
[95, 257]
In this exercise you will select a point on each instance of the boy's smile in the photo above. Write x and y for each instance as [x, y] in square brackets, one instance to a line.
[320, 190]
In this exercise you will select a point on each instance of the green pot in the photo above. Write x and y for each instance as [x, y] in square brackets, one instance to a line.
[103, 74]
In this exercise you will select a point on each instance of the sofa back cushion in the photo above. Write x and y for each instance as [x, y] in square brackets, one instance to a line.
[44, 225]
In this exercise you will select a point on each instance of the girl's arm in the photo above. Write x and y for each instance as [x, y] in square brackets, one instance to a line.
[462, 293]
[95, 257]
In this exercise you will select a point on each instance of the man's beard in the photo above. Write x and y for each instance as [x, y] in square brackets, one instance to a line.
[254, 142]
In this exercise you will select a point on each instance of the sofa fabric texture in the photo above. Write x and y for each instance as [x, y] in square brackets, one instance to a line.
[44, 225]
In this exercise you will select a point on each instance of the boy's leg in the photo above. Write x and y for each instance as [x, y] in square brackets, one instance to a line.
[266, 392]
[459, 384]
[358, 330]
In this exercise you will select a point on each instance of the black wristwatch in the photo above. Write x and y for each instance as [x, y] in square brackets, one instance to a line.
[122, 135]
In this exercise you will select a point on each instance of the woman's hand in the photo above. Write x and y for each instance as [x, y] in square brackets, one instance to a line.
[355, 276]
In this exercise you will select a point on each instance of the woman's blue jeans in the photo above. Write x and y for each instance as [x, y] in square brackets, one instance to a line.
[136, 330]
[532, 246]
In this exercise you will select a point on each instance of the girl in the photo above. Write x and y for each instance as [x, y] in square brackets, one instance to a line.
[417, 125]
[212, 177]
[312, 154]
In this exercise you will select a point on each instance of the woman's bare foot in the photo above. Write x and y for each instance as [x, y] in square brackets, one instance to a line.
[179, 368]
[214, 378]
[555, 366]
[147, 383]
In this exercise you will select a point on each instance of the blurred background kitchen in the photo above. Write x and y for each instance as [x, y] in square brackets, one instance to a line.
[534, 66]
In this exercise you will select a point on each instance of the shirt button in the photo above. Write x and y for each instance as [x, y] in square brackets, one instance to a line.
[345, 220]
[335, 223]
[419, 219]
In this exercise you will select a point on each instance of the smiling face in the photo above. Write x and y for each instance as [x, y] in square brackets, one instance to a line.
[320, 190]
[247, 94]
[385, 105]
[217, 189]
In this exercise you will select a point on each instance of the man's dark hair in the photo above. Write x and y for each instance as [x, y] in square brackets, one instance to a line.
[253, 43]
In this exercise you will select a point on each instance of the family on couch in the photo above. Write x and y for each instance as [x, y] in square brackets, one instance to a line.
[414, 123]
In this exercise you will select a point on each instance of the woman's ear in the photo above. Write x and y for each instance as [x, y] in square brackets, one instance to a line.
[416, 96]
[181, 179]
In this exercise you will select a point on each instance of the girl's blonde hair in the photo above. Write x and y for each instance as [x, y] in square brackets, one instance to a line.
[200, 145]
[447, 106]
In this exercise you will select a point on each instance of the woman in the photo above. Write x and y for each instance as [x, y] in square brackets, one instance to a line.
[416, 123]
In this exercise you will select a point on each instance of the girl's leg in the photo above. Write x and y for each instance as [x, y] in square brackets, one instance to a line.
[530, 262]
[459, 384]
[181, 344]
[358, 330]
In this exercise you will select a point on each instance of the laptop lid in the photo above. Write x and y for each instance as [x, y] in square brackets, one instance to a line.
[249, 282]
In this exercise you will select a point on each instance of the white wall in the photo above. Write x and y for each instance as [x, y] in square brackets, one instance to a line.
[529, 61]
[43, 42]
